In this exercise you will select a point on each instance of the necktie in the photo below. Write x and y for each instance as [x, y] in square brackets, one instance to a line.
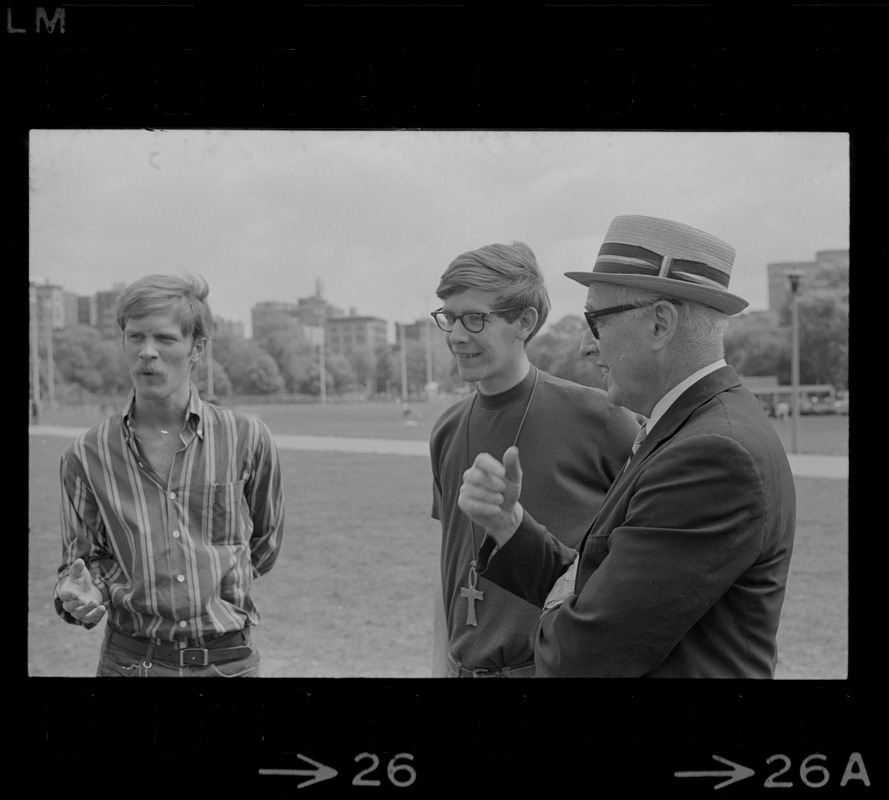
[640, 437]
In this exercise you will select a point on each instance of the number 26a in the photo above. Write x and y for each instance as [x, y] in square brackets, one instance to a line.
[814, 774]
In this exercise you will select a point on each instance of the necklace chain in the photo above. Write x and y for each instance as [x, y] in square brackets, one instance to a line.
[518, 432]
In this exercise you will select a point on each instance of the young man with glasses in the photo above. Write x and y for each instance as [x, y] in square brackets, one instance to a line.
[573, 443]
[683, 572]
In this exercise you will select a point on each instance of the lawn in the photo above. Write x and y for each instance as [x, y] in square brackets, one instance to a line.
[351, 593]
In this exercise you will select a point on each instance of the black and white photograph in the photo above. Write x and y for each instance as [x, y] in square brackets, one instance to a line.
[376, 349]
[324, 254]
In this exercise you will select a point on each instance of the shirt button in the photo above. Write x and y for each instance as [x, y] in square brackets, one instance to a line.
[172, 495]
[183, 624]
[180, 578]
[175, 534]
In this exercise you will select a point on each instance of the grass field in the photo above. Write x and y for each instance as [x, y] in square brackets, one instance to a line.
[351, 593]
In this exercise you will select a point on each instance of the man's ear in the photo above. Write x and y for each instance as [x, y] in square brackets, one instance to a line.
[198, 347]
[666, 321]
[527, 323]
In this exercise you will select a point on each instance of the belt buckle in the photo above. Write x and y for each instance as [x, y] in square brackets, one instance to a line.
[194, 657]
[485, 673]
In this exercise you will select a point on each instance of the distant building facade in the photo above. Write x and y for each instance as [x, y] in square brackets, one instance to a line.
[418, 331]
[106, 310]
[54, 308]
[271, 316]
[86, 310]
[347, 335]
[226, 327]
[779, 285]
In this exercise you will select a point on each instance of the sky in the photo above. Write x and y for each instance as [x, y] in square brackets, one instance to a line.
[377, 216]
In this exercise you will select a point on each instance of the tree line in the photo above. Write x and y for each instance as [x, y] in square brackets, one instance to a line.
[283, 362]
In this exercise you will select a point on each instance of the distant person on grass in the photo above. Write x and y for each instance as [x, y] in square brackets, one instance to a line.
[171, 508]
[573, 440]
[683, 571]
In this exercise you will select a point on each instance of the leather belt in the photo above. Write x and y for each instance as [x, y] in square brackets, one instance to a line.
[228, 647]
[520, 671]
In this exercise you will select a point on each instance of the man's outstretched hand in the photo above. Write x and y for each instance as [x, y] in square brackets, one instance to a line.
[80, 597]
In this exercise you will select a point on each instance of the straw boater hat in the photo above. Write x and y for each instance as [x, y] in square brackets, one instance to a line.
[667, 257]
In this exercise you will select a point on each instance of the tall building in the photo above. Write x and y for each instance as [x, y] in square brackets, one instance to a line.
[225, 327]
[779, 285]
[106, 310]
[418, 331]
[314, 310]
[271, 316]
[53, 306]
[346, 335]
[86, 310]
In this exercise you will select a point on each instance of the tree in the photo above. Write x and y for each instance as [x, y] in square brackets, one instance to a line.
[339, 371]
[222, 385]
[293, 354]
[82, 357]
[557, 351]
[389, 368]
[824, 339]
[251, 369]
[755, 345]
[363, 363]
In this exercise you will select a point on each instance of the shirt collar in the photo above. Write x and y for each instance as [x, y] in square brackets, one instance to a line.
[194, 412]
[670, 397]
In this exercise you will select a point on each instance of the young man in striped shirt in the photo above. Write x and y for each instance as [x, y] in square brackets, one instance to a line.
[171, 508]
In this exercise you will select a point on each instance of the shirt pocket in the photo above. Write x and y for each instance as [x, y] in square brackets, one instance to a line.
[230, 517]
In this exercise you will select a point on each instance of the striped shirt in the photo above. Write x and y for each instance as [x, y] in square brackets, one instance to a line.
[174, 562]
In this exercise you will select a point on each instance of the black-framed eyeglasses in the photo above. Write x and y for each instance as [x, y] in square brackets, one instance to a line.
[593, 316]
[473, 321]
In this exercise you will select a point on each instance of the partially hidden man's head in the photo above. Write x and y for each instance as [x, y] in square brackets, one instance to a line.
[507, 271]
[184, 297]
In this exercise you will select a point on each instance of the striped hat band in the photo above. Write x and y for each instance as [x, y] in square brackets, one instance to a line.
[626, 259]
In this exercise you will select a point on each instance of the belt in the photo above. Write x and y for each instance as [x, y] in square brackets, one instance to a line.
[228, 647]
[519, 671]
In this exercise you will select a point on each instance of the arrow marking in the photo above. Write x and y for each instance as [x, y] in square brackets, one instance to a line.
[321, 772]
[738, 772]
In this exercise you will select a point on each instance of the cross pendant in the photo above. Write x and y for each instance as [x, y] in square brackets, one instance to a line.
[472, 594]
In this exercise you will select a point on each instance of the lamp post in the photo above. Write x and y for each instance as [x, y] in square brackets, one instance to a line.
[403, 356]
[322, 365]
[794, 278]
[35, 359]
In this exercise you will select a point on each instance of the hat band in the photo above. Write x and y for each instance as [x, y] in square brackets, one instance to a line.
[635, 260]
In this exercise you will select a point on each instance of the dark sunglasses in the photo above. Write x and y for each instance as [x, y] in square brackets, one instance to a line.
[592, 316]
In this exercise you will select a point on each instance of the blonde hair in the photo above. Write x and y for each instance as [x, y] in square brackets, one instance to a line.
[185, 297]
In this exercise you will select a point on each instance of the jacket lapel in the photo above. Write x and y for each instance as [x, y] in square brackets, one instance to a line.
[686, 404]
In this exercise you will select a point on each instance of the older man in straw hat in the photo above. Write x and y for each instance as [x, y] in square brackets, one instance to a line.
[683, 571]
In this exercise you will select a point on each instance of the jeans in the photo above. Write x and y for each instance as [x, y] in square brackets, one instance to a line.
[115, 662]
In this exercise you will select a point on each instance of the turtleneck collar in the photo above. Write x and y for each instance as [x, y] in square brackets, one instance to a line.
[493, 402]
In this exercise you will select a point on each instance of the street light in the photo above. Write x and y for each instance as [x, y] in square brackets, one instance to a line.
[794, 277]
[35, 359]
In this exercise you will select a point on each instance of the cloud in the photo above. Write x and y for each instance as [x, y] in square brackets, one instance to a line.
[377, 216]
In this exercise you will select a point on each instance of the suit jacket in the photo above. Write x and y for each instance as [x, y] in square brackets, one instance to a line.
[683, 571]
